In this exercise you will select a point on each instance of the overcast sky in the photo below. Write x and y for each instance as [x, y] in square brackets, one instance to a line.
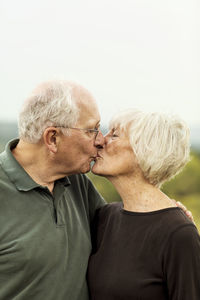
[128, 53]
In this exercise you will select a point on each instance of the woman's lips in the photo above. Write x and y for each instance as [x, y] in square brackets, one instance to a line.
[97, 157]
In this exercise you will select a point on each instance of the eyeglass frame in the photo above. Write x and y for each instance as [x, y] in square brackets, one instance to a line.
[83, 129]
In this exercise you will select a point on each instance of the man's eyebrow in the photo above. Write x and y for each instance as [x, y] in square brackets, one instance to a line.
[93, 125]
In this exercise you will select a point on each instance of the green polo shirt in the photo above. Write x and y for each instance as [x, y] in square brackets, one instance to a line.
[45, 239]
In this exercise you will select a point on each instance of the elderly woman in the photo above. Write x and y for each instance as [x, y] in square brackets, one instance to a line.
[145, 248]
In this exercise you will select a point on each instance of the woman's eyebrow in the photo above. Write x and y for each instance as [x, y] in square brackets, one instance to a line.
[97, 124]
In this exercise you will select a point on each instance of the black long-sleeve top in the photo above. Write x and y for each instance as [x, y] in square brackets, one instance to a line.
[144, 256]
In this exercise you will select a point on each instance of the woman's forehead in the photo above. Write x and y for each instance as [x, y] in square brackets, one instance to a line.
[122, 127]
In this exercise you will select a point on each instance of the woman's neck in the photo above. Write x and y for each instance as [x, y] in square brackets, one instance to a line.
[139, 195]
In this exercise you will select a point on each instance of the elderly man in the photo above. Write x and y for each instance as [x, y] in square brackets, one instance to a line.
[45, 209]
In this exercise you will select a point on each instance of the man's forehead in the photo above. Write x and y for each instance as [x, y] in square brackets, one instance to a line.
[88, 110]
[89, 115]
[89, 120]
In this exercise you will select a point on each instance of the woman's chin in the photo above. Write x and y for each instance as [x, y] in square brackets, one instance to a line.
[96, 169]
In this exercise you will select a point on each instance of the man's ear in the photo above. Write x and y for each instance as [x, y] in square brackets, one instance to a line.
[51, 137]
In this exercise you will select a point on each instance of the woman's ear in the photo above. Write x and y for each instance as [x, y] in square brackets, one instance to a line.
[51, 137]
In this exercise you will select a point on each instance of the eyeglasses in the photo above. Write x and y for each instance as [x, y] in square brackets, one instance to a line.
[89, 131]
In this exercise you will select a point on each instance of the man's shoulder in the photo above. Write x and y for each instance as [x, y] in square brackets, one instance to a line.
[79, 179]
[78, 176]
[4, 179]
[81, 183]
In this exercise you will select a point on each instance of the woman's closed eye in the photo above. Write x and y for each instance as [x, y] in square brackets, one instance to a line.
[114, 135]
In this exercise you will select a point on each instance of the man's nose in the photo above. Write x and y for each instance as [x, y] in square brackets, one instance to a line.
[99, 141]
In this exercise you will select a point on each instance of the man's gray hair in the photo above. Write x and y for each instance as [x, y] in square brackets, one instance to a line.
[159, 141]
[50, 104]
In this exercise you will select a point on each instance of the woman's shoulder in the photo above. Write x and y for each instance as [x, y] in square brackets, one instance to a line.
[180, 226]
[110, 208]
[175, 218]
[107, 211]
[172, 227]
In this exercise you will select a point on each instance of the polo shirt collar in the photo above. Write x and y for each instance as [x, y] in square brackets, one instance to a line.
[16, 173]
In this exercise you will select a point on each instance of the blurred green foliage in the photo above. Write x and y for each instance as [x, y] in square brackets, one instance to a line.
[185, 187]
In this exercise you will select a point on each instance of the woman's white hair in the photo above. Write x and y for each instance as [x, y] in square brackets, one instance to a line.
[159, 141]
[50, 104]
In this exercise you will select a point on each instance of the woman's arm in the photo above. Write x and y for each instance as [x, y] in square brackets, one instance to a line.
[182, 264]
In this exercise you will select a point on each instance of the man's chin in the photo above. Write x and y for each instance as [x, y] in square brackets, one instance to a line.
[86, 169]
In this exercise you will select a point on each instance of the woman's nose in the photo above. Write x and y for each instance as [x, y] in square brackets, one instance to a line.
[106, 137]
